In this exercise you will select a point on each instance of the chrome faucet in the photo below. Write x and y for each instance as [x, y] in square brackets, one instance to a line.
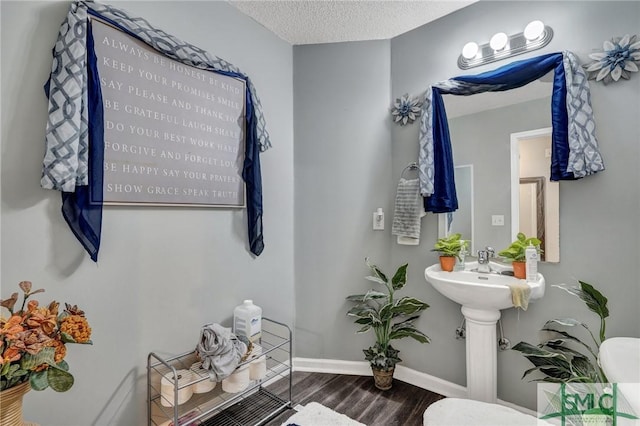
[483, 259]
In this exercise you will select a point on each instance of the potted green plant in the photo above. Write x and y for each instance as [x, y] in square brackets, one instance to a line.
[561, 358]
[449, 249]
[516, 253]
[390, 318]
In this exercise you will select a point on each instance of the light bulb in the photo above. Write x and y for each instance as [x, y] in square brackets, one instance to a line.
[498, 41]
[533, 30]
[470, 50]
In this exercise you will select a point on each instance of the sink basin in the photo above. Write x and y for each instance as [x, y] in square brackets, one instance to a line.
[483, 291]
[482, 296]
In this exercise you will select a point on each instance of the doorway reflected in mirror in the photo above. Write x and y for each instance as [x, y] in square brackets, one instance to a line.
[535, 200]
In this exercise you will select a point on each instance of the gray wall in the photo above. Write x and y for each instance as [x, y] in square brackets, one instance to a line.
[598, 215]
[342, 174]
[163, 272]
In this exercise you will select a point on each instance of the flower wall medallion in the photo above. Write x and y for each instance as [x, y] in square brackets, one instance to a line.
[619, 58]
[405, 110]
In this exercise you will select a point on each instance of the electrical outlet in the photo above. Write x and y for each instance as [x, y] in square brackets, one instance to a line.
[497, 220]
[378, 221]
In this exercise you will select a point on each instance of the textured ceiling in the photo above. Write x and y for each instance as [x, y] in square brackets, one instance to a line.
[330, 21]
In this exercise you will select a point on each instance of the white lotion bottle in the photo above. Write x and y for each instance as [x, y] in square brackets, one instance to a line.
[531, 257]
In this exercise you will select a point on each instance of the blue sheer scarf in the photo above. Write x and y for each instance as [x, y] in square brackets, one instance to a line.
[82, 209]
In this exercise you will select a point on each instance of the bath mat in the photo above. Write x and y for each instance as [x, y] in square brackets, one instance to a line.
[314, 414]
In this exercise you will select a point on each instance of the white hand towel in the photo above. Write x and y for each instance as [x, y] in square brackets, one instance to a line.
[520, 293]
[408, 241]
[408, 212]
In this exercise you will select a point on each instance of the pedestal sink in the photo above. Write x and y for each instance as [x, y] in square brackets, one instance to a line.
[482, 296]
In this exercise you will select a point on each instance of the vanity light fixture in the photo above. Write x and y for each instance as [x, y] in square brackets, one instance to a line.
[533, 30]
[501, 46]
[498, 41]
[470, 50]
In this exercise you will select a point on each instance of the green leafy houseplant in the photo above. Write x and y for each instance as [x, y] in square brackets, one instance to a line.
[389, 317]
[449, 249]
[516, 251]
[561, 358]
[450, 246]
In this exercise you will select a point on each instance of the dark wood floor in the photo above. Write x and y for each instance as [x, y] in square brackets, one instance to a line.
[358, 398]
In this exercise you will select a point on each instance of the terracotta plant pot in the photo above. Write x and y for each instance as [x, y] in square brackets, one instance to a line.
[447, 263]
[383, 379]
[520, 270]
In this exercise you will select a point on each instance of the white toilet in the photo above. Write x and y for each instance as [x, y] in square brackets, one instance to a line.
[467, 412]
[619, 358]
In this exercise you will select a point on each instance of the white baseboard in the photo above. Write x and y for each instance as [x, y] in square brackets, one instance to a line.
[332, 366]
[405, 374]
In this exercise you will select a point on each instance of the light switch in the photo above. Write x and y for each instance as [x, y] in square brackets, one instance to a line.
[497, 220]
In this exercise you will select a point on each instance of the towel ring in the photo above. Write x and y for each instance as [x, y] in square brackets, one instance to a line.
[411, 166]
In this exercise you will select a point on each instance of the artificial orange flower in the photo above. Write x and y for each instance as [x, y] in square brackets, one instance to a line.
[32, 305]
[42, 318]
[32, 341]
[61, 349]
[12, 327]
[77, 327]
[11, 354]
[53, 308]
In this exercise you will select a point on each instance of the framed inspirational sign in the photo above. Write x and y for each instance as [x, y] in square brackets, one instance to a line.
[173, 134]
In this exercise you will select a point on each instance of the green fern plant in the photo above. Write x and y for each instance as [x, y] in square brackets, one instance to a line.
[388, 317]
[562, 358]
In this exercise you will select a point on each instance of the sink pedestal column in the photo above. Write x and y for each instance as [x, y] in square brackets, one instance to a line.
[482, 354]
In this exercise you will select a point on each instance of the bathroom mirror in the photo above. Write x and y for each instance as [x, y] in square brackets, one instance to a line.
[573, 134]
[481, 128]
[460, 221]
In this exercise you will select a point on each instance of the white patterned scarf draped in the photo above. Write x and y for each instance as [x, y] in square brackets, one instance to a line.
[67, 147]
[65, 164]
[584, 157]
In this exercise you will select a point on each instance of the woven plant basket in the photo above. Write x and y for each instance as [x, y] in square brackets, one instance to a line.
[11, 405]
[383, 379]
